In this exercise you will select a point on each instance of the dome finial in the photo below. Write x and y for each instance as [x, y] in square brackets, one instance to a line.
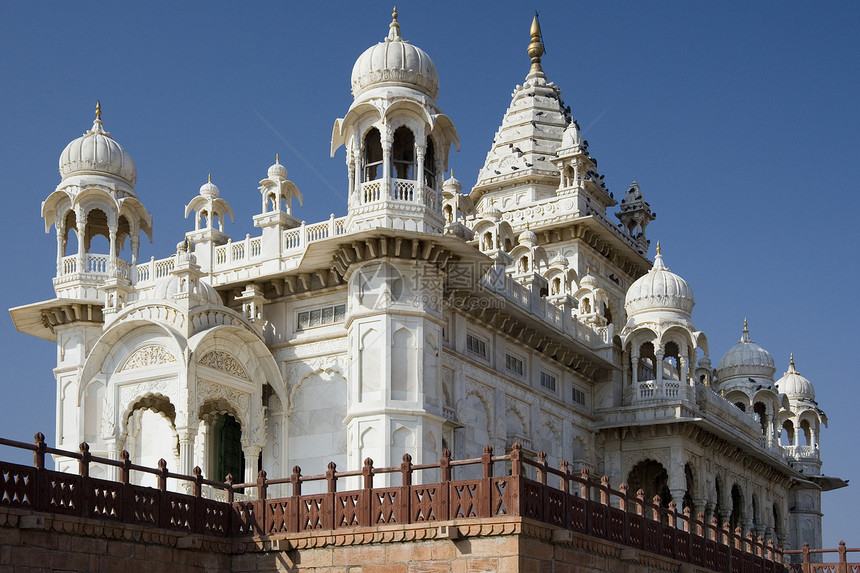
[98, 126]
[658, 247]
[210, 178]
[536, 49]
[791, 366]
[745, 336]
[277, 158]
[394, 28]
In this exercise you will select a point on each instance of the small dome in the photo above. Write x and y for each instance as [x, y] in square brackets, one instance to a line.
[571, 136]
[588, 281]
[395, 62]
[452, 184]
[528, 238]
[167, 288]
[746, 358]
[659, 289]
[795, 386]
[95, 152]
[493, 213]
[209, 189]
[559, 260]
[277, 171]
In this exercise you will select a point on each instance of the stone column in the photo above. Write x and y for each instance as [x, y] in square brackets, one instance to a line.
[111, 267]
[387, 165]
[658, 367]
[351, 170]
[683, 371]
[634, 362]
[419, 177]
[252, 454]
[61, 247]
[82, 239]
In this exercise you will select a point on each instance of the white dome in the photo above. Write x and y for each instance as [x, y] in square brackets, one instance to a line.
[559, 260]
[209, 189]
[588, 281]
[795, 386]
[571, 136]
[452, 184]
[528, 238]
[746, 358]
[659, 289]
[395, 62]
[167, 288]
[95, 152]
[277, 171]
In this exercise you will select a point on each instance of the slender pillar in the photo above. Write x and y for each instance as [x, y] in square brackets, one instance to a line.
[61, 247]
[252, 454]
[634, 374]
[658, 366]
[387, 165]
[112, 255]
[419, 177]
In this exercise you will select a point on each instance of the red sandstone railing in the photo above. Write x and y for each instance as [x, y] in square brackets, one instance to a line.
[805, 564]
[578, 503]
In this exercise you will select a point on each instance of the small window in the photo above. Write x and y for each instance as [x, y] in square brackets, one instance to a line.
[578, 396]
[547, 381]
[476, 346]
[320, 316]
[513, 364]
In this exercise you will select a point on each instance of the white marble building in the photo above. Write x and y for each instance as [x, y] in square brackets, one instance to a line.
[425, 318]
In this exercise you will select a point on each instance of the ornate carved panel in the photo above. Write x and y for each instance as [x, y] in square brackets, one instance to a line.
[220, 360]
[148, 356]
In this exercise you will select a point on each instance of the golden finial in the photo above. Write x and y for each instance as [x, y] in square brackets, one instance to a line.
[98, 109]
[394, 27]
[658, 247]
[210, 178]
[277, 159]
[745, 324]
[791, 358]
[536, 49]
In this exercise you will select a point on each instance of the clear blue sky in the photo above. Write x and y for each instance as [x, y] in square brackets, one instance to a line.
[739, 119]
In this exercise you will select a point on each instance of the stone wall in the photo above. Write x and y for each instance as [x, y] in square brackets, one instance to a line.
[41, 542]
[33, 542]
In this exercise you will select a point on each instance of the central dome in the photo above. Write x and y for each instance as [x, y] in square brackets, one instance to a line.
[395, 62]
[96, 152]
[659, 289]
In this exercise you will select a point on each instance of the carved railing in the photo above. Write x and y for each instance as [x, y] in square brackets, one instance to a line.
[491, 486]
[92, 265]
[40, 489]
[303, 235]
[802, 560]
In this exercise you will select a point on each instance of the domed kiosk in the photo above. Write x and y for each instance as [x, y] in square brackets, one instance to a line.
[95, 198]
[396, 138]
[659, 338]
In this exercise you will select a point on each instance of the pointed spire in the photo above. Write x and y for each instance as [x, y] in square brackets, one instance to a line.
[210, 178]
[745, 336]
[658, 260]
[791, 367]
[394, 28]
[277, 159]
[98, 126]
[536, 49]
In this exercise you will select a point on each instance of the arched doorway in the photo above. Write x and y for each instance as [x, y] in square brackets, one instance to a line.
[227, 456]
[651, 477]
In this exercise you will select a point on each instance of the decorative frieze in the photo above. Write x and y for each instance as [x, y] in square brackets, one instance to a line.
[149, 355]
[220, 360]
